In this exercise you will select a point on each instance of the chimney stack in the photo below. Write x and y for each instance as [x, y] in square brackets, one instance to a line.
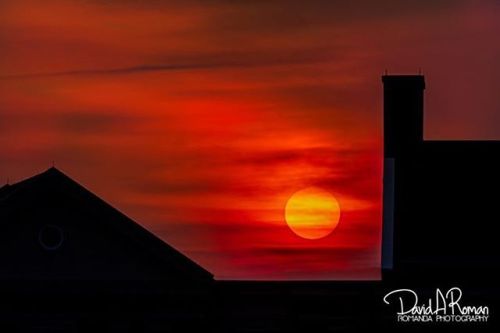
[403, 113]
[403, 132]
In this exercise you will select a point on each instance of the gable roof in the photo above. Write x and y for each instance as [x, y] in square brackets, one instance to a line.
[17, 196]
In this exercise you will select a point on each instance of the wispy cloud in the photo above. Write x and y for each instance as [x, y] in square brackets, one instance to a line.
[110, 71]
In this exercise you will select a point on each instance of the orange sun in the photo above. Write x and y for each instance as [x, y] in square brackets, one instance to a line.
[312, 213]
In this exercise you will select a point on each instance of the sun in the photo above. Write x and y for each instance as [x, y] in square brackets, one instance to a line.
[312, 213]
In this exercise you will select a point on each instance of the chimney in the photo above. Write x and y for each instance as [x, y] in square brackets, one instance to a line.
[403, 113]
[403, 132]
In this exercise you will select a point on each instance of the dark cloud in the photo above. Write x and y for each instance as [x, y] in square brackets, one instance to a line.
[333, 9]
[321, 156]
[199, 61]
[307, 263]
[331, 253]
[174, 185]
[232, 27]
[354, 172]
[76, 121]
[92, 122]
[109, 71]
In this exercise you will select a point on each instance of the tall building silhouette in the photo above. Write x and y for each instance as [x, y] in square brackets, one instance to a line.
[441, 198]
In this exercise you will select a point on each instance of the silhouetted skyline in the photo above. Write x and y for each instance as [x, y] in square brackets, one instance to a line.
[62, 248]
[201, 119]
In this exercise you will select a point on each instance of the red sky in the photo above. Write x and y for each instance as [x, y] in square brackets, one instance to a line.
[199, 119]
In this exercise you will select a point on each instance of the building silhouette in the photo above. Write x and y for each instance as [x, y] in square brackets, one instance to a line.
[53, 228]
[441, 198]
[72, 263]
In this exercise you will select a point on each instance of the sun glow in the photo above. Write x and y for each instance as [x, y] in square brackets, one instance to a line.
[312, 213]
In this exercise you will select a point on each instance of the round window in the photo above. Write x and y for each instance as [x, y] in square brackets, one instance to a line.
[50, 237]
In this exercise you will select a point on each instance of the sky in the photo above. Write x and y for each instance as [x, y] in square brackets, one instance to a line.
[199, 119]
